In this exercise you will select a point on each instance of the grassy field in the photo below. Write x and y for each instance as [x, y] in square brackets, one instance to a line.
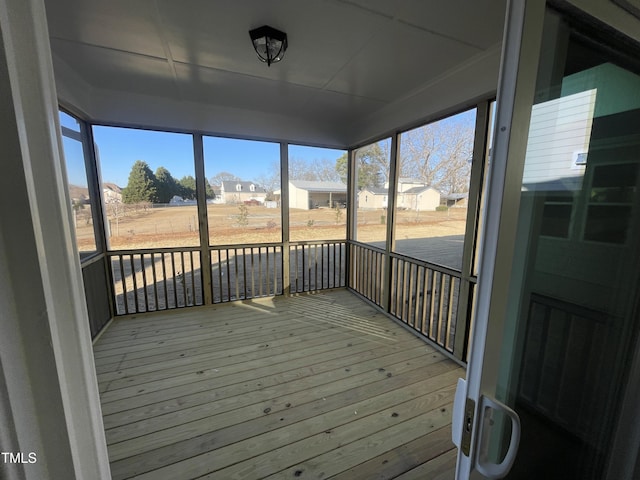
[178, 226]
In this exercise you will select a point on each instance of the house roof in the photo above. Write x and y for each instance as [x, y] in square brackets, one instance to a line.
[316, 186]
[455, 196]
[376, 190]
[416, 190]
[230, 186]
[410, 180]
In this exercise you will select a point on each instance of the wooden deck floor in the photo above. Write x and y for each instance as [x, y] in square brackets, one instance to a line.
[312, 386]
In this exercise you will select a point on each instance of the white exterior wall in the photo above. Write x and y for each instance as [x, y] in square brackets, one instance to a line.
[49, 401]
[368, 200]
[298, 197]
[428, 200]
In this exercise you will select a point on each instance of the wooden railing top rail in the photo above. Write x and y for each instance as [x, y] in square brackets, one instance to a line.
[367, 245]
[423, 263]
[316, 242]
[245, 245]
[136, 251]
[430, 265]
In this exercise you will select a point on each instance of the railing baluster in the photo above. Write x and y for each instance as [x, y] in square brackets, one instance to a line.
[267, 273]
[185, 278]
[164, 281]
[125, 293]
[220, 272]
[193, 278]
[244, 273]
[449, 336]
[253, 279]
[322, 245]
[155, 281]
[135, 284]
[173, 279]
[441, 306]
[425, 300]
[227, 273]
[275, 269]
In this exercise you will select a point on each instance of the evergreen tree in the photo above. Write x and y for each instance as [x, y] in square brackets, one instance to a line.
[141, 186]
[187, 186]
[208, 190]
[166, 185]
[372, 164]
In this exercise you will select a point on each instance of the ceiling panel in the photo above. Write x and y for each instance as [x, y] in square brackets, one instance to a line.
[478, 22]
[347, 59]
[111, 69]
[323, 36]
[328, 106]
[230, 89]
[397, 61]
[118, 24]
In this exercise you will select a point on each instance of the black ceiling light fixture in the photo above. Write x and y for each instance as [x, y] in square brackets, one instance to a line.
[269, 43]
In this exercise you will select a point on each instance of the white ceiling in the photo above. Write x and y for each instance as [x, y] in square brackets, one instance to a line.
[189, 64]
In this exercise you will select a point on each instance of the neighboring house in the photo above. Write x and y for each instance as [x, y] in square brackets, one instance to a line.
[420, 198]
[217, 195]
[455, 200]
[373, 198]
[232, 191]
[112, 193]
[405, 184]
[304, 194]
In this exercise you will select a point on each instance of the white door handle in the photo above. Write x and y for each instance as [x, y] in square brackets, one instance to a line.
[483, 466]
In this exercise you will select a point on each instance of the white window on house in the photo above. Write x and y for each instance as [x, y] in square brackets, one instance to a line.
[252, 187]
[238, 187]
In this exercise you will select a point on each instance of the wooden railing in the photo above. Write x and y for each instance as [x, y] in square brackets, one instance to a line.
[159, 279]
[243, 272]
[317, 265]
[166, 278]
[424, 296]
[366, 271]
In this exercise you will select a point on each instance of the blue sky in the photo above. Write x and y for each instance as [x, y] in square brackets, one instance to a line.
[119, 148]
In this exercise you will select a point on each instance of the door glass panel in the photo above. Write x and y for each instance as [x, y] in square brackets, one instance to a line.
[571, 324]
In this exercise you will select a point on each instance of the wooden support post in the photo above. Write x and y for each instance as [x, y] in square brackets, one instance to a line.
[203, 222]
[391, 211]
[465, 296]
[284, 211]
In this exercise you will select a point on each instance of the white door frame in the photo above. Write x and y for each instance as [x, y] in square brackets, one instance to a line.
[519, 65]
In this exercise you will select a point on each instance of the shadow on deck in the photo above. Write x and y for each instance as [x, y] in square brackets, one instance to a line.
[310, 386]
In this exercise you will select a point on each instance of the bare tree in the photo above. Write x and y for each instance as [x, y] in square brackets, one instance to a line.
[319, 169]
[439, 154]
[220, 177]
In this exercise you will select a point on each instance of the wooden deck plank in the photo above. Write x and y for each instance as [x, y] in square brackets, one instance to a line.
[234, 444]
[195, 349]
[221, 368]
[283, 411]
[401, 458]
[163, 402]
[343, 457]
[229, 356]
[442, 467]
[199, 421]
[289, 369]
[320, 434]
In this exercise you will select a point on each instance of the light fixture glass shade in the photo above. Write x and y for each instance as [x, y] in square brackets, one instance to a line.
[269, 43]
